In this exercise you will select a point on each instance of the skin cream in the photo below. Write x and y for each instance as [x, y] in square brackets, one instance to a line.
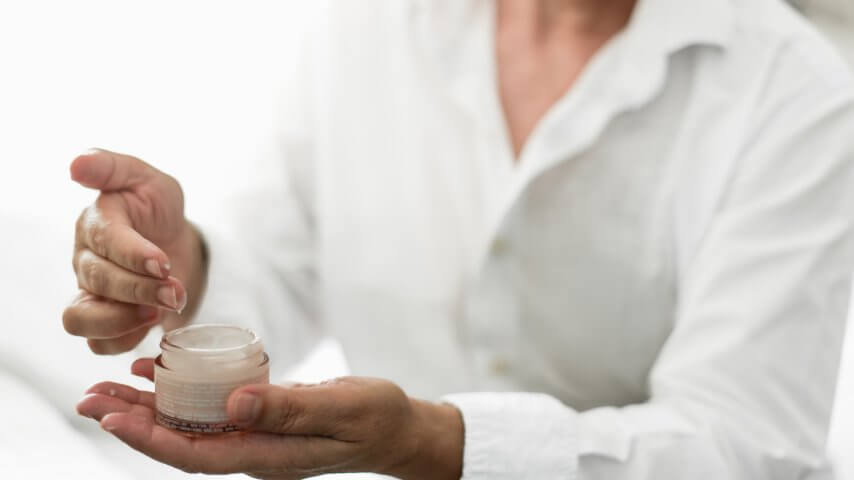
[199, 366]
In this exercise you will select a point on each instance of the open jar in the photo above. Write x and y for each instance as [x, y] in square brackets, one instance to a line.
[197, 369]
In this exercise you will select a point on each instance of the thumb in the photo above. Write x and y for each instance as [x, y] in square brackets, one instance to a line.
[302, 410]
[107, 171]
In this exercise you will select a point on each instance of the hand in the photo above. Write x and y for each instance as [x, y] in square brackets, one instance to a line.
[349, 424]
[133, 251]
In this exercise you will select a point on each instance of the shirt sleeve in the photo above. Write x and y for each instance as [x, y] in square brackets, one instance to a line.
[262, 251]
[744, 386]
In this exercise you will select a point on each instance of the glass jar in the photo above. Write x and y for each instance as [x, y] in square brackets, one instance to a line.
[198, 367]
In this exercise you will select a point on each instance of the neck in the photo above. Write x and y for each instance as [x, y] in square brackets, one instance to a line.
[572, 17]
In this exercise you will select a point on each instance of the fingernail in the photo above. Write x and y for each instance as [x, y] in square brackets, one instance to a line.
[106, 424]
[166, 296]
[153, 268]
[246, 408]
[182, 303]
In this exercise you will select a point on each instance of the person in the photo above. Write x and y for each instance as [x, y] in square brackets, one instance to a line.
[563, 238]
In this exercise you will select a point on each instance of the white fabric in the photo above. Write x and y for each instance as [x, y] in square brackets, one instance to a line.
[56, 451]
[665, 269]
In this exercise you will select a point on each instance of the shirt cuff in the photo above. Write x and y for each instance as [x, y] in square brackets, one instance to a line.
[517, 436]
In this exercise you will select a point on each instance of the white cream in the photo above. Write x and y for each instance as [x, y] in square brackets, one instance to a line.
[199, 366]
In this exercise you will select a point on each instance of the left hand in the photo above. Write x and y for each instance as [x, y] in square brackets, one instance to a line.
[349, 424]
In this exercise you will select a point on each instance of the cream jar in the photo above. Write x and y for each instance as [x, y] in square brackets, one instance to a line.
[198, 367]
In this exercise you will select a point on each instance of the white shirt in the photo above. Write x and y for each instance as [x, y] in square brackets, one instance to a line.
[655, 290]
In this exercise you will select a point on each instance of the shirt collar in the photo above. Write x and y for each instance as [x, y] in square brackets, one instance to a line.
[625, 75]
[667, 26]
[629, 72]
[662, 27]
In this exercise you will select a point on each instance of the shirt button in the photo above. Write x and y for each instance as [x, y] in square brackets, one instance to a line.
[500, 246]
[499, 366]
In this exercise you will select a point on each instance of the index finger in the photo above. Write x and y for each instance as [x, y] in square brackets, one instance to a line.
[107, 232]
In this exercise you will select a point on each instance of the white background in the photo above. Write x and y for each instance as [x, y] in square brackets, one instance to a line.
[188, 86]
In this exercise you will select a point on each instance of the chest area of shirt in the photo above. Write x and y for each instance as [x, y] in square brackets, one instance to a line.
[417, 179]
[431, 202]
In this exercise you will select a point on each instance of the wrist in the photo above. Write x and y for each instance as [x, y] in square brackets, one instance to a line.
[438, 439]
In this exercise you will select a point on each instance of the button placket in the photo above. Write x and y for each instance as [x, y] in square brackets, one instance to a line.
[492, 315]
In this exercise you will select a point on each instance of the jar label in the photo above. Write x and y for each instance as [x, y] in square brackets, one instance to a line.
[197, 405]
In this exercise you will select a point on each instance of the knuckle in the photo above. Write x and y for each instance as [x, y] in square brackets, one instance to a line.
[285, 415]
[135, 292]
[95, 277]
[80, 224]
[131, 291]
[98, 239]
[75, 261]
[176, 186]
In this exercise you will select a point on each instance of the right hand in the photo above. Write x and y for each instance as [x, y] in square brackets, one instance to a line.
[137, 259]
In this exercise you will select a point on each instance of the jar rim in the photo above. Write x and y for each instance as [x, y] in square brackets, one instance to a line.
[167, 343]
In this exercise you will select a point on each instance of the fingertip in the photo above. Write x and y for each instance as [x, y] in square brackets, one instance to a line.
[106, 170]
[244, 404]
[255, 389]
[80, 168]
[244, 407]
[142, 363]
[97, 405]
[83, 407]
[153, 260]
[180, 293]
[176, 282]
[99, 387]
[139, 363]
[100, 347]
[128, 427]
[138, 254]
[112, 421]
[153, 268]
[144, 367]
[83, 168]
[233, 396]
